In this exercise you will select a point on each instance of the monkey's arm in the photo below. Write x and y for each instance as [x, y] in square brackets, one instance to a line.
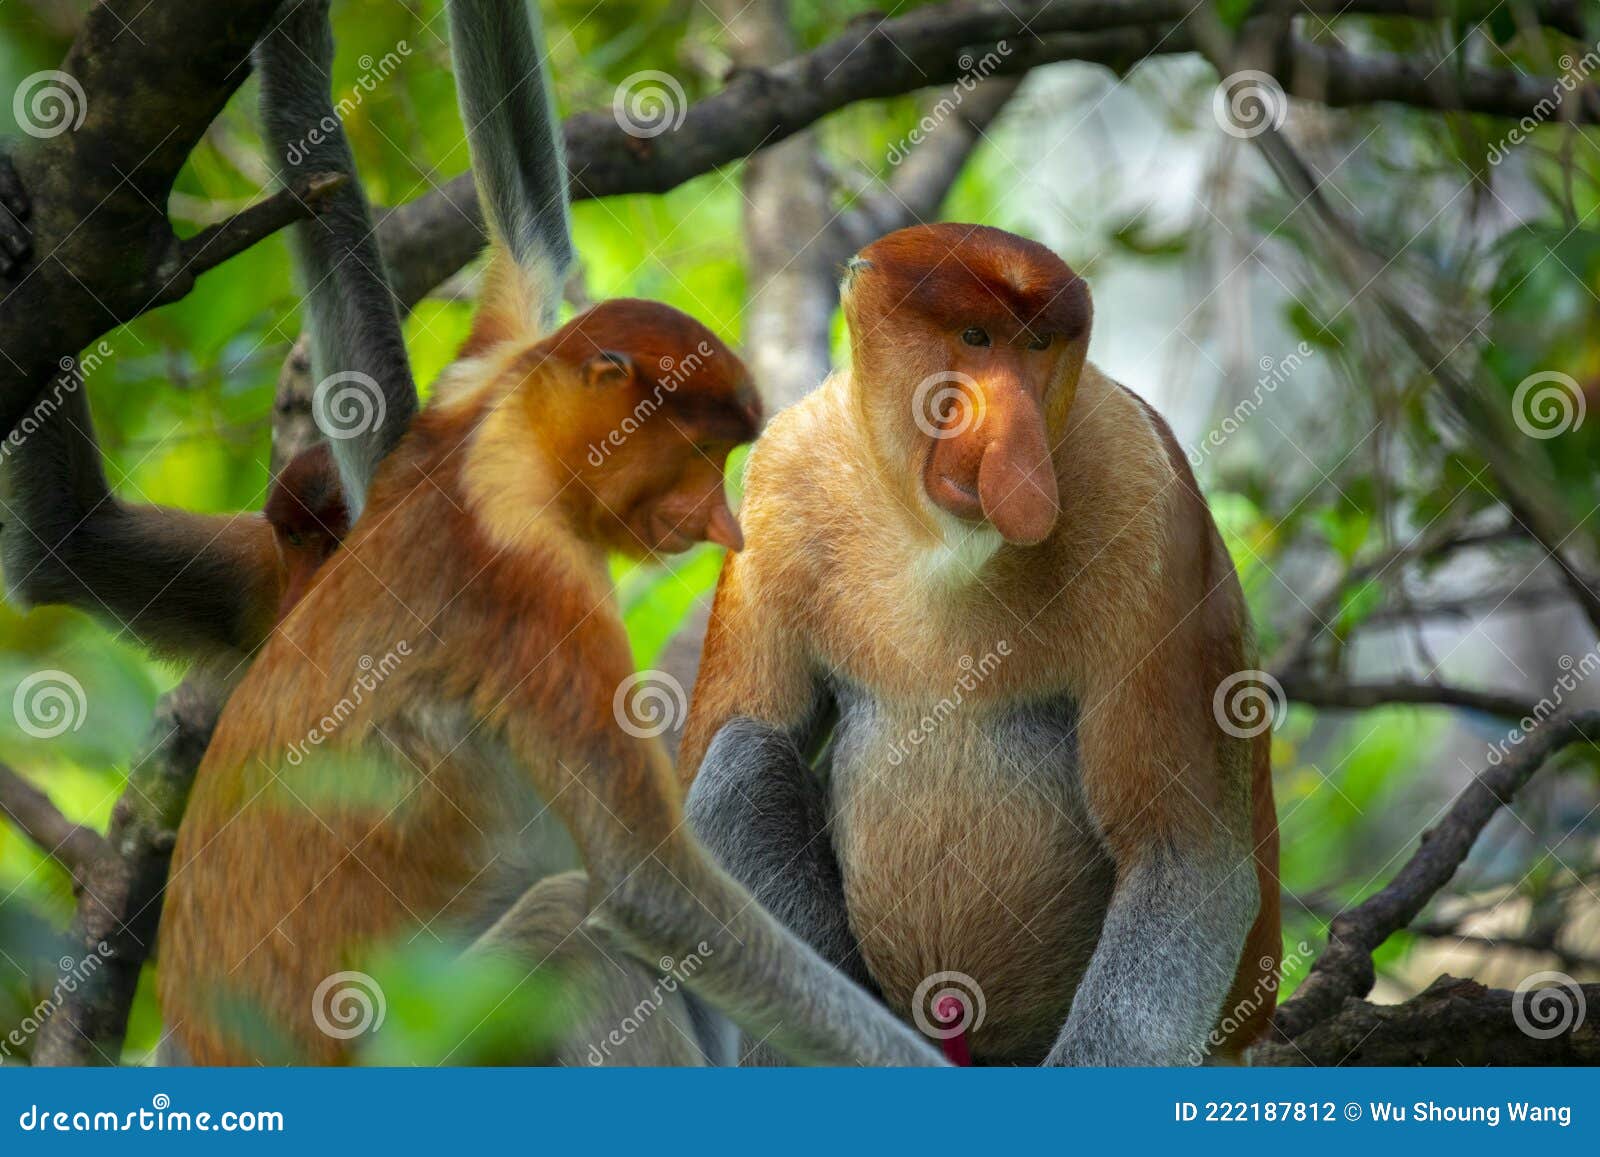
[497, 48]
[1170, 795]
[350, 309]
[187, 585]
[754, 800]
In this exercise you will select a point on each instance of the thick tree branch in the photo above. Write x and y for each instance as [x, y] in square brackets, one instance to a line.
[120, 906]
[147, 78]
[1345, 968]
[76, 848]
[1451, 1022]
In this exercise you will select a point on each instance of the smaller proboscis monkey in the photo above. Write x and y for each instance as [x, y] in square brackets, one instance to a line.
[435, 726]
[999, 608]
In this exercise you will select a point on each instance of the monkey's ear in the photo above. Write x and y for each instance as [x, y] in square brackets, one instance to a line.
[608, 368]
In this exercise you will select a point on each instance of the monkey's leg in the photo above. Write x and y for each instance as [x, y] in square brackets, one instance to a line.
[762, 813]
[350, 309]
[621, 1011]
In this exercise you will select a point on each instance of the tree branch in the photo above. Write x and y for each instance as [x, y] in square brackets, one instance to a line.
[1451, 1022]
[76, 848]
[215, 244]
[1304, 688]
[120, 907]
[1345, 968]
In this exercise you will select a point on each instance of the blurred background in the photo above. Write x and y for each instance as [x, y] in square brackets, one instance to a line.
[1403, 602]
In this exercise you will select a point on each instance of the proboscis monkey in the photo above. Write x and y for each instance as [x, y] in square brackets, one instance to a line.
[335, 813]
[1001, 599]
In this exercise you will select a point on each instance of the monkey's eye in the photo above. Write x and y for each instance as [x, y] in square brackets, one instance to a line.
[975, 336]
[296, 538]
[1041, 342]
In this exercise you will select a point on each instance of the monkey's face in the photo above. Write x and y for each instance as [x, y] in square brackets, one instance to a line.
[661, 404]
[967, 344]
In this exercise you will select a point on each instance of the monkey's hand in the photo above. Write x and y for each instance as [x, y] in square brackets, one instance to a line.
[16, 239]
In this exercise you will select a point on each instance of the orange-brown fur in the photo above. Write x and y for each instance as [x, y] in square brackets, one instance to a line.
[1130, 607]
[480, 562]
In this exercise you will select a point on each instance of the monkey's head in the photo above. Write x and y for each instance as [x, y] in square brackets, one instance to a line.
[642, 406]
[309, 519]
[967, 344]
